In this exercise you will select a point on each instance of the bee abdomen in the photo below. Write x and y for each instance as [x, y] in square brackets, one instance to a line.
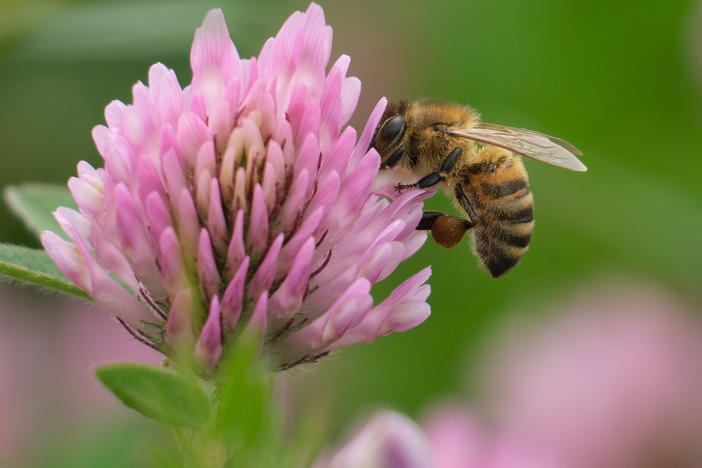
[504, 234]
[498, 254]
[514, 189]
[510, 234]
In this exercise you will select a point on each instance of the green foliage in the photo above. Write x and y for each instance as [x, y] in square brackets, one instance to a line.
[34, 267]
[125, 442]
[35, 203]
[232, 423]
[126, 29]
[157, 393]
[244, 394]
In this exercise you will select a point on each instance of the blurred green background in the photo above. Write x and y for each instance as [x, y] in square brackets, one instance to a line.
[621, 80]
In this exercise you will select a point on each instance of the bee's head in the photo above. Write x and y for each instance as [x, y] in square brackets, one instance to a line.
[388, 136]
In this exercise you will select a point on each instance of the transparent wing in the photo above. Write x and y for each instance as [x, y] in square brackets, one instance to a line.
[528, 143]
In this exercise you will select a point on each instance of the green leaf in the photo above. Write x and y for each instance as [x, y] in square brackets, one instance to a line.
[157, 393]
[36, 267]
[35, 203]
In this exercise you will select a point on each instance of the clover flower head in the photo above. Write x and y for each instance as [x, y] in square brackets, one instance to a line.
[243, 202]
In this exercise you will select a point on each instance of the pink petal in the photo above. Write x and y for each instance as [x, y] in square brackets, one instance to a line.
[191, 134]
[263, 278]
[301, 236]
[212, 58]
[337, 158]
[209, 346]
[259, 318]
[275, 157]
[353, 194]
[179, 326]
[173, 174]
[188, 224]
[365, 140]
[404, 308]
[68, 258]
[326, 194]
[240, 201]
[90, 175]
[101, 135]
[120, 158]
[351, 307]
[113, 260]
[197, 104]
[269, 186]
[148, 177]
[216, 224]
[168, 95]
[132, 234]
[171, 262]
[236, 251]
[288, 297]
[88, 198]
[307, 158]
[221, 125]
[206, 267]
[157, 215]
[202, 192]
[114, 114]
[70, 219]
[294, 203]
[110, 293]
[232, 300]
[308, 124]
[257, 234]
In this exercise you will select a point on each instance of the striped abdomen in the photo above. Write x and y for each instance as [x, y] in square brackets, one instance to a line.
[504, 208]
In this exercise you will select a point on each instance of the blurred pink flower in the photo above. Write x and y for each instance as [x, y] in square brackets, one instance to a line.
[388, 440]
[449, 438]
[243, 202]
[614, 383]
[617, 383]
[456, 438]
[459, 440]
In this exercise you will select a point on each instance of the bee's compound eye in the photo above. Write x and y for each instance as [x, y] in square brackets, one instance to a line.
[393, 129]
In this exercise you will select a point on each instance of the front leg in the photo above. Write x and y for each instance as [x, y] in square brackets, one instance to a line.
[435, 177]
[446, 230]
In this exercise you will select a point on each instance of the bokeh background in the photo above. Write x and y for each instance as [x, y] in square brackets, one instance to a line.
[621, 80]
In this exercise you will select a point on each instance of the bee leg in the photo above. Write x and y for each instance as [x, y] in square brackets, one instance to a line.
[435, 177]
[425, 182]
[428, 220]
[464, 202]
[447, 230]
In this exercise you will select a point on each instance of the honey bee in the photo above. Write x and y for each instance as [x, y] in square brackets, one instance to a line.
[479, 166]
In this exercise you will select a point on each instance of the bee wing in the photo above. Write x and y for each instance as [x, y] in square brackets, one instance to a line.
[528, 143]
